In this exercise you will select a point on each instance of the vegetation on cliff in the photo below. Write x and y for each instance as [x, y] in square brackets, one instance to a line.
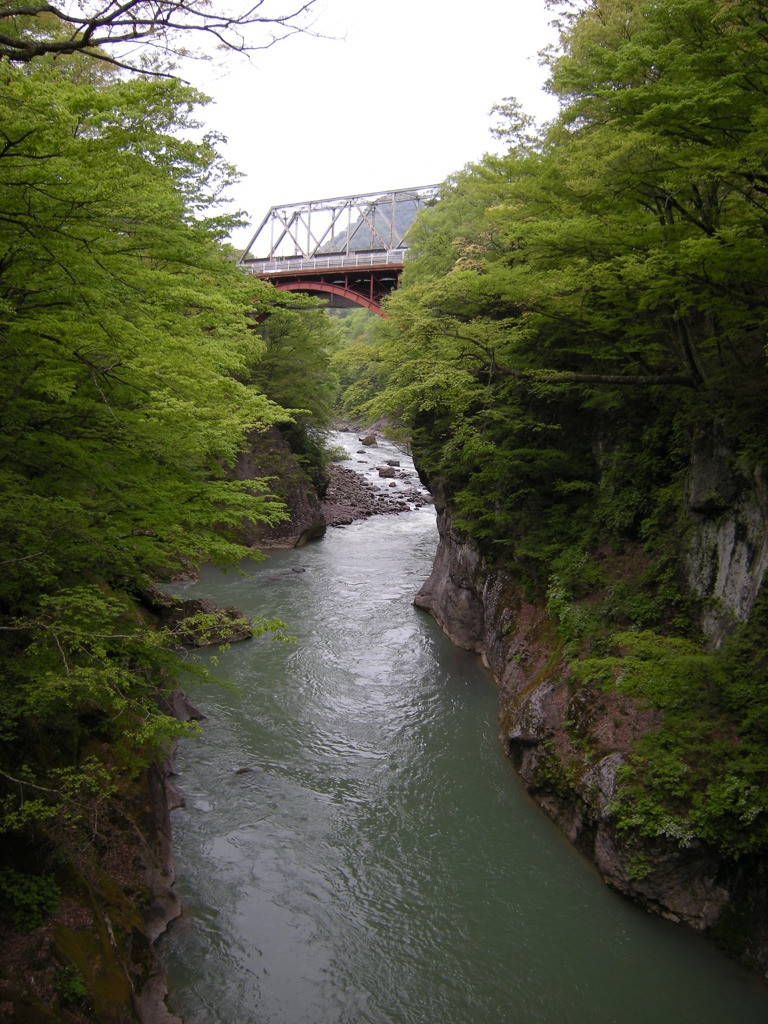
[134, 373]
[582, 319]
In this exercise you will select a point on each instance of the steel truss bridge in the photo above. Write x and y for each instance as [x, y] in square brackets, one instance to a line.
[349, 249]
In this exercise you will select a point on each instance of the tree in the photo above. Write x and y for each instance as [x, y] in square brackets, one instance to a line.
[670, 101]
[112, 31]
[356, 361]
[622, 249]
[294, 369]
[126, 333]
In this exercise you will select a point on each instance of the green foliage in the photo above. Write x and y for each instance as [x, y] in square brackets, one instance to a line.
[669, 672]
[574, 576]
[601, 283]
[294, 369]
[127, 339]
[703, 773]
[637, 601]
[31, 898]
[356, 363]
[70, 987]
[638, 867]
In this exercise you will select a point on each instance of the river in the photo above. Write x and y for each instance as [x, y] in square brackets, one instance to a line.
[355, 848]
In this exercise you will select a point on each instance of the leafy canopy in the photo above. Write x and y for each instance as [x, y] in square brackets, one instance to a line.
[126, 336]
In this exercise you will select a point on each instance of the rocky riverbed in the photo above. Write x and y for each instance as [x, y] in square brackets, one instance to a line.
[351, 495]
[369, 477]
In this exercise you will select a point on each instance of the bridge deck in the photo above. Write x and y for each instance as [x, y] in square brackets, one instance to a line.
[288, 265]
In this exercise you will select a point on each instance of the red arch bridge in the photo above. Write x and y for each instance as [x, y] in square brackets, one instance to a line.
[349, 249]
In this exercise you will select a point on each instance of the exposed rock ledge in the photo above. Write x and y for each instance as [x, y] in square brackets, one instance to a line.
[482, 611]
[269, 456]
[118, 900]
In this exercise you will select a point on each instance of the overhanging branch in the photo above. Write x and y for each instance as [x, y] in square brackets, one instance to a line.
[29, 31]
[543, 376]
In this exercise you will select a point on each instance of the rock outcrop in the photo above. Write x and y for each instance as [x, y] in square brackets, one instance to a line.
[197, 621]
[569, 741]
[728, 553]
[93, 959]
[269, 456]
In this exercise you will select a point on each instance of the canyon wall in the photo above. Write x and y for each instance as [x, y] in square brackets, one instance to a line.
[569, 739]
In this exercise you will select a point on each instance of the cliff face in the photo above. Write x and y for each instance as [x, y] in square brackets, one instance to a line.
[269, 455]
[567, 739]
[93, 959]
[728, 552]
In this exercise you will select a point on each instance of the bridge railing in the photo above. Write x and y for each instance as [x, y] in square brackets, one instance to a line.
[291, 265]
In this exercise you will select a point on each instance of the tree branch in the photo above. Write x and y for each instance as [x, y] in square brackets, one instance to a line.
[574, 377]
[90, 27]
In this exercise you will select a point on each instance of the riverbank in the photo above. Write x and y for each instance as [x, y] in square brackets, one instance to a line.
[93, 957]
[568, 742]
[350, 496]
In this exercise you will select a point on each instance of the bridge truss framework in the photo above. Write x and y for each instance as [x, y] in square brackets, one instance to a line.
[374, 222]
[349, 249]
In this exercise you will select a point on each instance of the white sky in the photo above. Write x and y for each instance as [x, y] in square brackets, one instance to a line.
[399, 97]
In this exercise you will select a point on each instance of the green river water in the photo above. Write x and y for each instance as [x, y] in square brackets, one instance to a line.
[355, 848]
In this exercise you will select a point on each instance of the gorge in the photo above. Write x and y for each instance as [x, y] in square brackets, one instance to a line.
[354, 846]
[576, 356]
